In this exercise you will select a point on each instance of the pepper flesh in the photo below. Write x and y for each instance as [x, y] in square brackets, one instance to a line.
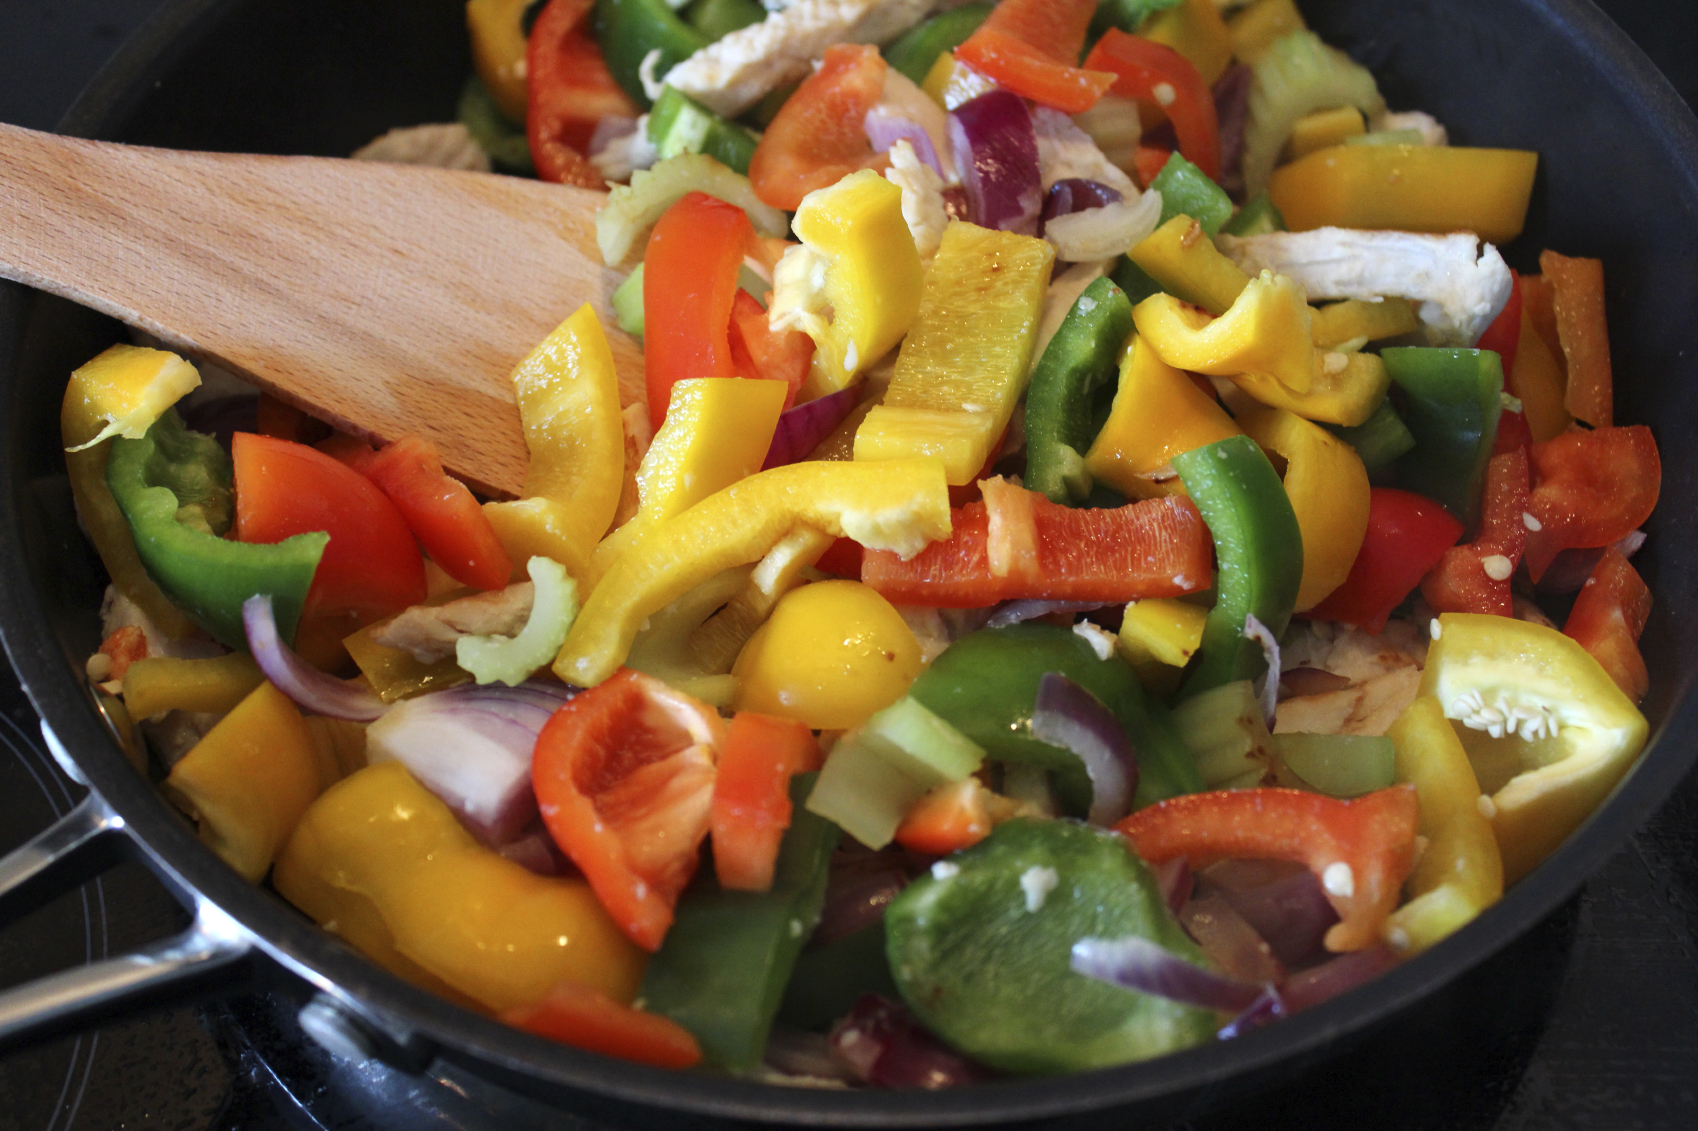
[216, 684]
[1607, 618]
[1452, 400]
[1577, 297]
[568, 90]
[1077, 360]
[1031, 47]
[1158, 413]
[1575, 733]
[1589, 489]
[568, 394]
[1188, 266]
[1142, 68]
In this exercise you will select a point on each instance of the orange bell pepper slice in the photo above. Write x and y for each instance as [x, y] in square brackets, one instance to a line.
[448, 522]
[1157, 73]
[586, 1018]
[1031, 47]
[759, 351]
[569, 90]
[817, 138]
[1577, 297]
[1607, 618]
[1361, 850]
[751, 795]
[1589, 489]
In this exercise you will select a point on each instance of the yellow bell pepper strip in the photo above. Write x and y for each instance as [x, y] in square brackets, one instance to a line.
[897, 505]
[393, 672]
[1262, 344]
[248, 782]
[1328, 488]
[1255, 27]
[872, 275]
[717, 431]
[497, 33]
[1548, 731]
[1538, 381]
[1158, 637]
[131, 385]
[340, 745]
[385, 863]
[1409, 188]
[1195, 29]
[1460, 873]
[568, 396]
[1577, 295]
[1354, 320]
[1180, 256]
[964, 364]
[164, 683]
[1158, 413]
[1324, 129]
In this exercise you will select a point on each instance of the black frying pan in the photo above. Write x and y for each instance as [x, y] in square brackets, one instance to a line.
[1618, 180]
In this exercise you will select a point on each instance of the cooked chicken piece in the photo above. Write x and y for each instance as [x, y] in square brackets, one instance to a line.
[922, 198]
[429, 632]
[1369, 707]
[1352, 652]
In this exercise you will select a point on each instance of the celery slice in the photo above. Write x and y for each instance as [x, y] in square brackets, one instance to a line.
[1339, 765]
[1224, 729]
[623, 223]
[1298, 76]
[512, 659]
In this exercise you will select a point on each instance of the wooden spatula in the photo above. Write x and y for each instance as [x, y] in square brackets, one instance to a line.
[385, 299]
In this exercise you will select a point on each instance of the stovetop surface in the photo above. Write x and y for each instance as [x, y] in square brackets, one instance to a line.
[1591, 1021]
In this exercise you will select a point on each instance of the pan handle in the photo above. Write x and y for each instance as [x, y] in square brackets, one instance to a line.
[214, 951]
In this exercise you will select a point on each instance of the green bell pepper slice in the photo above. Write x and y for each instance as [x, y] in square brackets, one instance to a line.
[629, 29]
[719, 18]
[1259, 548]
[1451, 402]
[986, 684]
[915, 52]
[722, 970]
[1258, 217]
[829, 979]
[680, 124]
[1187, 191]
[1082, 358]
[173, 486]
[1381, 440]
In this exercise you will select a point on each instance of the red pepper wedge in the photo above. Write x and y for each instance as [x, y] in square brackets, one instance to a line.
[370, 570]
[441, 512]
[947, 819]
[1577, 299]
[1474, 578]
[1373, 837]
[1156, 72]
[689, 288]
[759, 351]
[569, 90]
[624, 781]
[1032, 47]
[1148, 161]
[817, 138]
[586, 1018]
[1504, 334]
[1589, 489]
[751, 795]
[1607, 618]
[1407, 535]
[1152, 548]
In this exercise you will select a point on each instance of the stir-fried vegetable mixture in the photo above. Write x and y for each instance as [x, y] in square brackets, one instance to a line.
[1075, 578]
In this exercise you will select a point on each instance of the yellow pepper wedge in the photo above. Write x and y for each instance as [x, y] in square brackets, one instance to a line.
[717, 431]
[1260, 344]
[1195, 29]
[873, 275]
[1158, 413]
[1158, 637]
[1328, 489]
[964, 365]
[568, 396]
[1564, 732]
[1460, 873]
[382, 861]
[1183, 259]
[394, 673]
[1356, 320]
[1541, 383]
[898, 505]
[340, 745]
[1255, 27]
[497, 35]
[716, 643]
[1324, 129]
[123, 390]
[1410, 188]
[158, 684]
[249, 780]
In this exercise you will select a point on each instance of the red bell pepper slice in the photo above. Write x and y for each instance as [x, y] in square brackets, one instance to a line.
[344, 448]
[1372, 837]
[586, 1018]
[1475, 578]
[1589, 489]
[1032, 47]
[947, 819]
[818, 137]
[1607, 618]
[1503, 336]
[759, 351]
[751, 795]
[689, 287]
[1407, 535]
[842, 559]
[441, 513]
[1148, 161]
[569, 90]
[1153, 548]
[370, 570]
[1577, 298]
[1157, 72]
[624, 781]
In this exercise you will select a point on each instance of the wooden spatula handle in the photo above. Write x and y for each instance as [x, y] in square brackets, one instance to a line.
[386, 299]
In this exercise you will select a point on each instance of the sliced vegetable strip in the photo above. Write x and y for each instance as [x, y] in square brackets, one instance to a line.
[817, 138]
[1031, 47]
[1607, 618]
[569, 91]
[1407, 535]
[1589, 489]
[689, 284]
[586, 1018]
[1361, 850]
[1474, 578]
[441, 512]
[751, 795]
[1153, 71]
[1577, 294]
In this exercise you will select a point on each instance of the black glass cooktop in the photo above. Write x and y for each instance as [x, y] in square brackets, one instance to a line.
[1590, 1022]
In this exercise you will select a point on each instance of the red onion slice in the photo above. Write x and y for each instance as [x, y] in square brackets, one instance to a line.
[857, 900]
[996, 153]
[1257, 631]
[1066, 715]
[1270, 1006]
[801, 429]
[1232, 109]
[1175, 880]
[1344, 973]
[1014, 612]
[881, 1044]
[299, 680]
[1139, 964]
[885, 127]
[1075, 194]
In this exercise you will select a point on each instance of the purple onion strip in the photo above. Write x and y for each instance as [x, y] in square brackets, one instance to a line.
[802, 429]
[1074, 194]
[1269, 1006]
[1068, 716]
[885, 128]
[996, 154]
[1138, 964]
[294, 677]
[1257, 631]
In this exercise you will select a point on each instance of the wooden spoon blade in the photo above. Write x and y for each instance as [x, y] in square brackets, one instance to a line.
[385, 299]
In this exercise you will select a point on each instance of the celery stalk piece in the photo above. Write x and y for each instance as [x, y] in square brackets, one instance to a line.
[512, 659]
[628, 304]
[1298, 75]
[622, 225]
[1224, 729]
[1339, 765]
[877, 772]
